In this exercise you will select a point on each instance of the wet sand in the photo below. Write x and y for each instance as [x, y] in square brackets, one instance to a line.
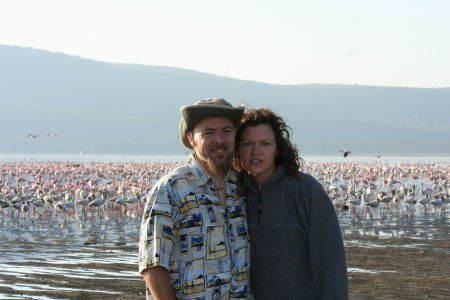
[394, 268]
[399, 270]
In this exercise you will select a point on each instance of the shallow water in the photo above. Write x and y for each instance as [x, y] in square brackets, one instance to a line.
[68, 248]
[64, 249]
[73, 248]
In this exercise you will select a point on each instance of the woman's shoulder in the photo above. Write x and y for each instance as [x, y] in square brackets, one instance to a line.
[307, 183]
[305, 178]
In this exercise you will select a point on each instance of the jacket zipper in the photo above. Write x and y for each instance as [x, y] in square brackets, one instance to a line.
[259, 206]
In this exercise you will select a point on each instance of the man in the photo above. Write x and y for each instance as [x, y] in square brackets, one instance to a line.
[194, 242]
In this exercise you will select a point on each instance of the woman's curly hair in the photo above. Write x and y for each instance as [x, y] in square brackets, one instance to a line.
[287, 153]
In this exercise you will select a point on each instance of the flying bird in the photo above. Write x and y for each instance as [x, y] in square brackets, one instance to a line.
[53, 134]
[32, 136]
[346, 152]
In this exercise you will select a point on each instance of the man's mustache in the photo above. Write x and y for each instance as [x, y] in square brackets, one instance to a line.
[218, 147]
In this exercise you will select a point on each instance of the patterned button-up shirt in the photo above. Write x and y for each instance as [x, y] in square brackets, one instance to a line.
[186, 230]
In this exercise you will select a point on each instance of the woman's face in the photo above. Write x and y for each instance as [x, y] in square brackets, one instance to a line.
[257, 151]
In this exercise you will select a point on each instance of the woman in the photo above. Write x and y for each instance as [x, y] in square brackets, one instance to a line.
[296, 244]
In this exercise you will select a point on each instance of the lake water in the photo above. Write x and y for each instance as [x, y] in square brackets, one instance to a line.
[8, 157]
[74, 249]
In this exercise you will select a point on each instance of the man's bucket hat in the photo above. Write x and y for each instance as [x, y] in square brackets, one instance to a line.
[206, 108]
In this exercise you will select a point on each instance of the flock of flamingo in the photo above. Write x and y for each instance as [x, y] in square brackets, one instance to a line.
[374, 190]
[30, 190]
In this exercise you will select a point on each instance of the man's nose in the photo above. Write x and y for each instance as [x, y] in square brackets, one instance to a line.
[219, 138]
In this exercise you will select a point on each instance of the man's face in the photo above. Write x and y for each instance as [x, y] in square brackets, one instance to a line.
[213, 143]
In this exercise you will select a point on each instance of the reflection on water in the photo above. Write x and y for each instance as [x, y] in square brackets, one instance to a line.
[417, 227]
[73, 248]
[359, 270]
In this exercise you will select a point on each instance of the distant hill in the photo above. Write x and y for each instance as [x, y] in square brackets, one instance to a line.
[98, 107]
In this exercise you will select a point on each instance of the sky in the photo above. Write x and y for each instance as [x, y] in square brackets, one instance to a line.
[367, 42]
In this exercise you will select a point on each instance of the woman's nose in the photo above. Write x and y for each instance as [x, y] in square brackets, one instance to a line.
[256, 148]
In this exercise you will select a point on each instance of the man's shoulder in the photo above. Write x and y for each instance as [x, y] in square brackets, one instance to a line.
[181, 172]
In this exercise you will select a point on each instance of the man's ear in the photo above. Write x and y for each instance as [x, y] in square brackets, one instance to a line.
[190, 138]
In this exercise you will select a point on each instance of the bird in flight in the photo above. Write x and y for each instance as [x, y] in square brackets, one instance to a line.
[32, 136]
[53, 134]
[346, 152]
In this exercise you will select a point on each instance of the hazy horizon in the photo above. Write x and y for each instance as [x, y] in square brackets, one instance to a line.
[230, 77]
[378, 43]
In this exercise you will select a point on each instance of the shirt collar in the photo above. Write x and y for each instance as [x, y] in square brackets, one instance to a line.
[204, 177]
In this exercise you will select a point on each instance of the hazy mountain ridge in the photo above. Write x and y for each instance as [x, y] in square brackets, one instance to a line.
[106, 107]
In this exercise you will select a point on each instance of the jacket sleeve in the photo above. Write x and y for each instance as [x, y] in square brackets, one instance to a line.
[326, 247]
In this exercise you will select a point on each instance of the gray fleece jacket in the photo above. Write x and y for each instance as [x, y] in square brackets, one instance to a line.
[297, 250]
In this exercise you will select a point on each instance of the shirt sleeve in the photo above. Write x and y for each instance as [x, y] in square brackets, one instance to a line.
[327, 254]
[156, 235]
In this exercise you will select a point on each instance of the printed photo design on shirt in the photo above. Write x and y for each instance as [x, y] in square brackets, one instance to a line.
[176, 284]
[239, 260]
[188, 202]
[211, 214]
[190, 176]
[241, 230]
[153, 194]
[215, 293]
[184, 243]
[239, 291]
[190, 221]
[173, 266]
[150, 229]
[180, 187]
[189, 237]
[193, 279]
[233, 197]
[231, 232]
[220, 265]
[234, 211]
[218, 279]
[208, 199]
[167, 232]
[163, 209]
[216, 242]
[147, 212]
[197, 241]
[155, 260]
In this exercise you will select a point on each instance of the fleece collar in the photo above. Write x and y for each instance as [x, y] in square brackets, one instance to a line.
[267, 184]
